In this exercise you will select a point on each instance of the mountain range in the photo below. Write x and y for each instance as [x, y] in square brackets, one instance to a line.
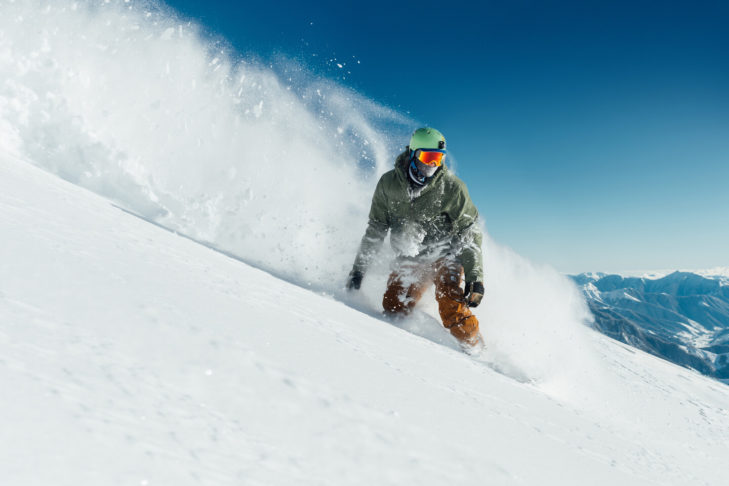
[682, 317]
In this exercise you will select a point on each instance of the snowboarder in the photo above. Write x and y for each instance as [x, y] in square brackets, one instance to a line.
[434, 233]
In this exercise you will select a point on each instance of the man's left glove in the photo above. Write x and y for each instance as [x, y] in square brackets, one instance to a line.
[473, 293]
[354, 280]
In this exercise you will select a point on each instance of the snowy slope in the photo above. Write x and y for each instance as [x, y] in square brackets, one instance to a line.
[131, 355]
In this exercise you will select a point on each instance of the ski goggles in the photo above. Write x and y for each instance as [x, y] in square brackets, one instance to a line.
[430, 157]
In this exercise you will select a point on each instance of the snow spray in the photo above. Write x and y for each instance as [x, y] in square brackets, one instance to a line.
[266, 161]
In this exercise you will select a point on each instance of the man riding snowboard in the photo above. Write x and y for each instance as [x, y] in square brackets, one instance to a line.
[434, 233]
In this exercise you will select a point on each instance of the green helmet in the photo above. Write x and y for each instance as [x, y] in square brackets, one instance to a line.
[427, 138]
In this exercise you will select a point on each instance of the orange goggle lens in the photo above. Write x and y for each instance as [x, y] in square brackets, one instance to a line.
[429, 157]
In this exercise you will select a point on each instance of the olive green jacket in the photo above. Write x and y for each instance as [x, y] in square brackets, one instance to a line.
[439, 220]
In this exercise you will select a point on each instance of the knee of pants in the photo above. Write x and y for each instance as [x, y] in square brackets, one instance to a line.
[452, 312]
[448, 282]
[404, 289]
[395, 301]
[466, 330]
[391, 306]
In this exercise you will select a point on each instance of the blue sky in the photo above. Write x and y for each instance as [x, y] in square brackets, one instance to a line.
[593, 136]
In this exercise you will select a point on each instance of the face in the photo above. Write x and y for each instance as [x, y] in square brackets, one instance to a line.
[428, 161]
[426, 170]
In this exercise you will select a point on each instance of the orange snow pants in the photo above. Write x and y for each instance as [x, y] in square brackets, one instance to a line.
[410, 281]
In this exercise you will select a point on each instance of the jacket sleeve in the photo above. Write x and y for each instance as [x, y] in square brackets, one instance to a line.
[377, 228]
[467, 238]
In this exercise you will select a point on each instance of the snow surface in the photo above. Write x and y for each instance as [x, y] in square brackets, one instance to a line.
[132, 355]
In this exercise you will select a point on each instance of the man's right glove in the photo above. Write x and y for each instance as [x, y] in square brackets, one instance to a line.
[355, 280]
[473, 293]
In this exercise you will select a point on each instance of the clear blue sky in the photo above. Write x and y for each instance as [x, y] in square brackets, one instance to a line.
[593, 136]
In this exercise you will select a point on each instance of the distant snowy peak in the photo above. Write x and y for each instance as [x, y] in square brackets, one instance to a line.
[721, 273]
[680, 316]
[684, 282]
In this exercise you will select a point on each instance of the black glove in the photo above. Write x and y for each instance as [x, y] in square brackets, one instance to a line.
[355, 280]
[473, 293]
